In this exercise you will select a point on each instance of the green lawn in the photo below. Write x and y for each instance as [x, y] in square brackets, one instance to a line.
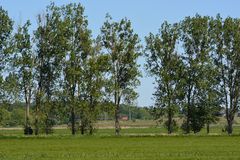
[116, 148]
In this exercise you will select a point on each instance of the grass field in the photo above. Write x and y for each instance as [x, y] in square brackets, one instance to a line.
[120, 148]
[140, 140]
[138, 127]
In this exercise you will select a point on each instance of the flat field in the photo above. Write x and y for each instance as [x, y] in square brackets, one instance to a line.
[140, 140]
[120, 148]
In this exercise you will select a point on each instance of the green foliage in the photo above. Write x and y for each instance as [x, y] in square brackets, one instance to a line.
[196, 44]
[23, 63]
[225, 36]
[5, 48]
[5, 38]
[11, 117]
[10, 88]
[165, 65]
[83, 70]
[186, 81]
[123, 48]
[76, 78]
[4, 116]
[17, 117]
[51, 43]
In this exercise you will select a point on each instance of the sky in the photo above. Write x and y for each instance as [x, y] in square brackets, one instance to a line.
[146, 16]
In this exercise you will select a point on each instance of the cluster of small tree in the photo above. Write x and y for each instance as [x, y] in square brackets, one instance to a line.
[62, 71]
[201, 77]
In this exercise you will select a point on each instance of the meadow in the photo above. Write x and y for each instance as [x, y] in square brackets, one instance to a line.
[140, 140]
[120, 148]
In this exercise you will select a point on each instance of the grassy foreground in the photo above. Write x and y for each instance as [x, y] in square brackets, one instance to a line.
[120, 148]
[140, 140]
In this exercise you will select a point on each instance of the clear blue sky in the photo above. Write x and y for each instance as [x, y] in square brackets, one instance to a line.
[146, 16]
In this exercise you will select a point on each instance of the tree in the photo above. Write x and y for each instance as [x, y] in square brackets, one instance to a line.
[24, 66]
[79, 47]
[122, 46]
[51, 43]
[227, 49]
[165, 65]
[210, 95]
[196, 45]
[94, 72]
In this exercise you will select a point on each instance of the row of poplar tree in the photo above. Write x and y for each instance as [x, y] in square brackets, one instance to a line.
[60, 68]
[196, 65]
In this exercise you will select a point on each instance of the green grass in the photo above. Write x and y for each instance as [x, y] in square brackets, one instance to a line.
[150, 131]
[120, 148]
[144, 143]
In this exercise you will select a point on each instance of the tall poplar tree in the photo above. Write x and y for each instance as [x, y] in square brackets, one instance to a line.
[164, 63]
[51, 43]
[196, 44]
[122, 46]
[226, 40]
[95, 81]
[79, 47]
[24, 66]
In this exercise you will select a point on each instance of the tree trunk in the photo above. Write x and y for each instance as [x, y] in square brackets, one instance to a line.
[27, 128]
[47, 127]
[38, 95]
[36, 126]
[72, 103]
[90, 128]
[129, 114]
[170, 114]
[27, 113]
[38, 101]
[92, 110]
[82, 130]
[82, 123]
[117, 110]
[27, 94]
[73, 121]
[188, 119]
[117, 124]
[169, 127]
[230, 124]
[230, 112]
[208, 127]
[229, 128]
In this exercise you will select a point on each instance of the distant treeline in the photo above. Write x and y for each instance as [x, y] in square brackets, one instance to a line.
[13, 115]
[62, 73]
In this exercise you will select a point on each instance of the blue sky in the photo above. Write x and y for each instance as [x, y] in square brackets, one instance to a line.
[146, 16]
